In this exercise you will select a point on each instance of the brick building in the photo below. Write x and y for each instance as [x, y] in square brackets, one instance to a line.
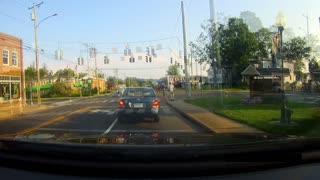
[11, 68]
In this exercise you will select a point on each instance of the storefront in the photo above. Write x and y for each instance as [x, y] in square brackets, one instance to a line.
[10, 88]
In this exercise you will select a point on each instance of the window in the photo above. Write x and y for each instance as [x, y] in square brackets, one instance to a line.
[14, 59]
[5, 56]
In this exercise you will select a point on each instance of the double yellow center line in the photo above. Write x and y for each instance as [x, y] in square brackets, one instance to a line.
[46, 123]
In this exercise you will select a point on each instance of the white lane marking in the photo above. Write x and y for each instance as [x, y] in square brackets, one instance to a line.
[105, 101]
[107, 111]
[71, 130]
[111, 126]
[112, 101]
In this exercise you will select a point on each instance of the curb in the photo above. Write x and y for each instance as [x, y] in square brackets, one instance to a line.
[193, 120]
[24, 113]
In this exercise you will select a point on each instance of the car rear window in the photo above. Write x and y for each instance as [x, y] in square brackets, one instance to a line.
[139, 92]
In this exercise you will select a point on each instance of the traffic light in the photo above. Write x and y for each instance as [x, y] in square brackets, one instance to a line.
[131, 60]
[146, 59]
[148, 51]
[150, 59]
[105, 59]
[79, 61]
[171, 60]
[153, 51]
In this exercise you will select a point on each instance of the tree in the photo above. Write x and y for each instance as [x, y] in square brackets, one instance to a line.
[64, 73]
[30, 74]
[264, 36]
[81, 75]
[111, 82]
[249, 18]
[59, 89]
[313, 42]
[44, 72]
[295, 50]
[238, 47]
[314, 65]
[173, 70]
[131, 82]
[314, 68]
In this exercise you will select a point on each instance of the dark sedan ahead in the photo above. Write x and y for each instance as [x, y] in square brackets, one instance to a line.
[139, 102]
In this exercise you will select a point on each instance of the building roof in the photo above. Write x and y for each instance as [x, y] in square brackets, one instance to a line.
[273, 71]
[250, 71]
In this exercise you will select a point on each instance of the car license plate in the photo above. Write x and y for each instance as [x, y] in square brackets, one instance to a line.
[138, 105]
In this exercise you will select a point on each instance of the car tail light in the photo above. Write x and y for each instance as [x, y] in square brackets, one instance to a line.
[120, 103]
[155, 134]
[156, 104]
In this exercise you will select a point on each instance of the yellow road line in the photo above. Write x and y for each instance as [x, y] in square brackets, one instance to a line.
[49, 122]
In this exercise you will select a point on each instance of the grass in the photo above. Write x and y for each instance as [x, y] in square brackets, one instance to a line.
[265, 116]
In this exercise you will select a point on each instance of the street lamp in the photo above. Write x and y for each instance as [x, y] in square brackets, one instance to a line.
[35, 27]
[280, 23]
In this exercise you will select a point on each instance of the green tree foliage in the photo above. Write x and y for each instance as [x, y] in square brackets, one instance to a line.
[64, 73]
[131, 82]
[44, 72]
[264, 36]
[295, 50]
[173, 70]
[314, 68]
[81, 75]
[238, 47]
[59, 89]
[111, 82]
[30, 74]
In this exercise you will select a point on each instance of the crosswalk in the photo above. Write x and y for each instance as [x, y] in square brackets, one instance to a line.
[97, 101]
[82, 102]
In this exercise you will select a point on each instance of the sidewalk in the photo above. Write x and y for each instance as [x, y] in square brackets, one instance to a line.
[209, 120]
[11, 110]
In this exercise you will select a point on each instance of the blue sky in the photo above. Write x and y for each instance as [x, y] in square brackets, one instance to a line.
[126, 21]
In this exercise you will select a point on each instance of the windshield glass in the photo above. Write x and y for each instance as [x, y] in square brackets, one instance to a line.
[146, 92]
[159, 72]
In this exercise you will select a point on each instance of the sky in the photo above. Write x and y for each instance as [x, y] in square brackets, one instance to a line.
[107, 24]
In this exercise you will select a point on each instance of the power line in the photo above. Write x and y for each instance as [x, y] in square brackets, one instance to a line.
[12, 17]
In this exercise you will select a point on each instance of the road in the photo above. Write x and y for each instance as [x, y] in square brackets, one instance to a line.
[92, 116]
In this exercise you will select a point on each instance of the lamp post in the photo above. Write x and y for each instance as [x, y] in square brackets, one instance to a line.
[35, 28]
[281, 22]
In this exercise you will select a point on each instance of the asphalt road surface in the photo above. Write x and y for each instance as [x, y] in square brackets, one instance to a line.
[92, 116]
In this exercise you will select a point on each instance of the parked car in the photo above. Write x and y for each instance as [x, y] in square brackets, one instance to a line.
[139, 103]
[118, 92]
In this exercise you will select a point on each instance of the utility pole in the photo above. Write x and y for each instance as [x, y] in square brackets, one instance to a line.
[185, 54]
[96, 70]
[34, 18]
[307, 18]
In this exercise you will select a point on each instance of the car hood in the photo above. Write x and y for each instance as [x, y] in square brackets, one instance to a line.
[151, 138]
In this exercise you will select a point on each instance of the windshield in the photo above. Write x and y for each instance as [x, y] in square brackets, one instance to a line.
[159, 72]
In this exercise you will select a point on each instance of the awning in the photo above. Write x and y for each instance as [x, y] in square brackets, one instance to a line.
[42, 87]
